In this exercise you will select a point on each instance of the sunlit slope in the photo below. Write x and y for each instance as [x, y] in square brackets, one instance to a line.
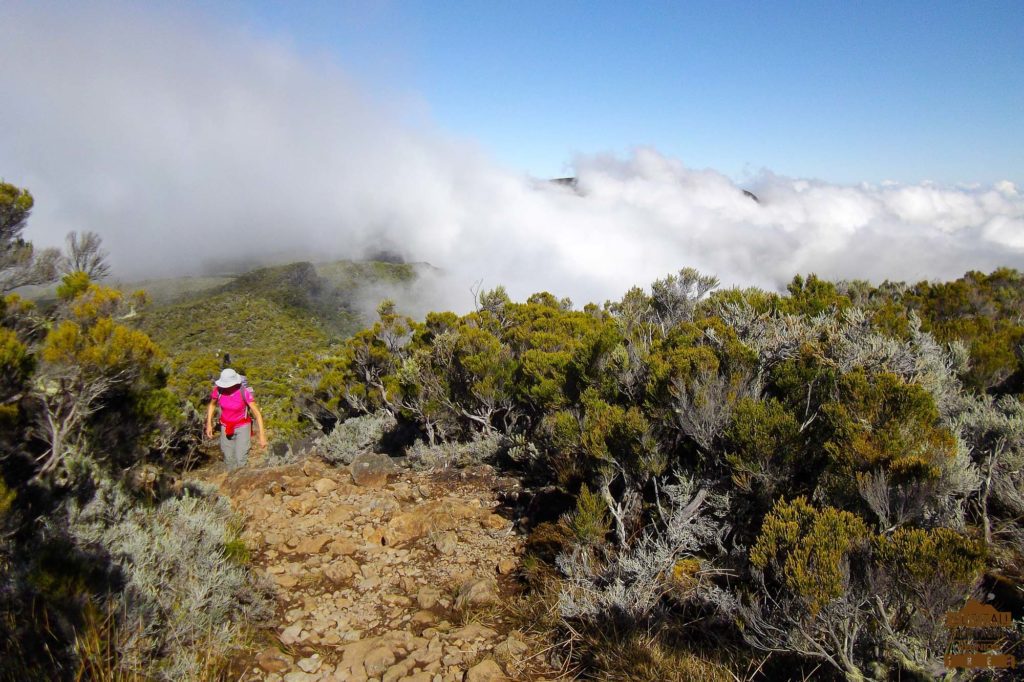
[272, 321]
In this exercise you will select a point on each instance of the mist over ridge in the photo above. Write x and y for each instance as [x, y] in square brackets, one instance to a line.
[188, 145]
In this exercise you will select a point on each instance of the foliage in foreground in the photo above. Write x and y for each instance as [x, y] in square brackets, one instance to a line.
[106, 567]
[807, 475]
[187, 597]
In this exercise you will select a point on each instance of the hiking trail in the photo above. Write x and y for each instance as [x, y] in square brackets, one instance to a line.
[388, 581]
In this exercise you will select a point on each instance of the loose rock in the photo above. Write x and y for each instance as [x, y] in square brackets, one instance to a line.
[311, 664]
[365, 575]
[447, 542]
[428, 597]
[371, 469]
[273, 661]
[512, 649]
[507, 565]
[479, 592]
[325, 485]
[485, 671]
[378, 660]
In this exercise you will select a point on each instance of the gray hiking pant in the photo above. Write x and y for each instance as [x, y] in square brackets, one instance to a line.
[236, 448]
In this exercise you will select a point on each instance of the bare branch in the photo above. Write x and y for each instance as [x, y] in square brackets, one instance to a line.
[85, 254]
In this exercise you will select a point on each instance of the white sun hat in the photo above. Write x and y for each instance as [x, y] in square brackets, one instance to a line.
[229, 378]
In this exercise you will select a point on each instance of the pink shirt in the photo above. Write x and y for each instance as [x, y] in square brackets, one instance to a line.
[232, 405]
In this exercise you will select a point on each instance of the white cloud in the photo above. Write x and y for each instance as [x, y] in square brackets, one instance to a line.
[186, 143]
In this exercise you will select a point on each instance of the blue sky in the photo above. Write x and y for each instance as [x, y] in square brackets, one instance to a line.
[360, 126]
[846, 92]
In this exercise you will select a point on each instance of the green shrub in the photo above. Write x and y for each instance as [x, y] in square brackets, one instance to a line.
[807, 550]
[764, 447]
[884, 422]
[72, 285]
[590, 523]
[836, 393]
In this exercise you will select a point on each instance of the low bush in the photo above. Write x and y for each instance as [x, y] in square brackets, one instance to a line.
[106, 570]
[188, 599]
[354, 436]
[482, 448]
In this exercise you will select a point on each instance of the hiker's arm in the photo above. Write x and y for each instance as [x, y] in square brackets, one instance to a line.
[209, 420]
[259, 421]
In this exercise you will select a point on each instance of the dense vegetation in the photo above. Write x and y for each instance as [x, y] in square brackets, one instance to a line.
[108, 569]
[983, 311]
[821, 475]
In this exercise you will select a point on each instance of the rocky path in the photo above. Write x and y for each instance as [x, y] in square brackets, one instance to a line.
[398, 579]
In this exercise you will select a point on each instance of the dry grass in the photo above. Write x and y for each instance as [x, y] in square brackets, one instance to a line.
[98, 642]
[96, 648]
[650, 656]
[608, 651]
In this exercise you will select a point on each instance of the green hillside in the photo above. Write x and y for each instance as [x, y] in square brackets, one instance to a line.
[169, 290]
[273, 321]
[268, 342]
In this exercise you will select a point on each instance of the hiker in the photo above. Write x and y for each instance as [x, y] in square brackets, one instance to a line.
[236, 403]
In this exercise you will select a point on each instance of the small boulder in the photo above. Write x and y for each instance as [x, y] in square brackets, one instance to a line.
[273, 661]
[303, 504]
[493, 521]
[512, 649]
[339, 514]
[379, 660]
[313, 545]
[477, 592]
[353, 655]
[340, 570]
[377, 536]
[395, 673]
[434, 516]
[447, 542]
[311, 664]
[325, 485]
[342, 547]
[285, 580]
[468, 633]
[428, 597]
[292, 633]
[424, 617]
[371, 469]
[485, 671]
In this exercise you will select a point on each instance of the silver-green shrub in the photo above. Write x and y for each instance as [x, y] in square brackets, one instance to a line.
[632, 582]
[187, 597]
[355, 435]
[483, 447]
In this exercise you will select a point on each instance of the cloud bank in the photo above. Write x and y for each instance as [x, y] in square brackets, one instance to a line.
[190, 145]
